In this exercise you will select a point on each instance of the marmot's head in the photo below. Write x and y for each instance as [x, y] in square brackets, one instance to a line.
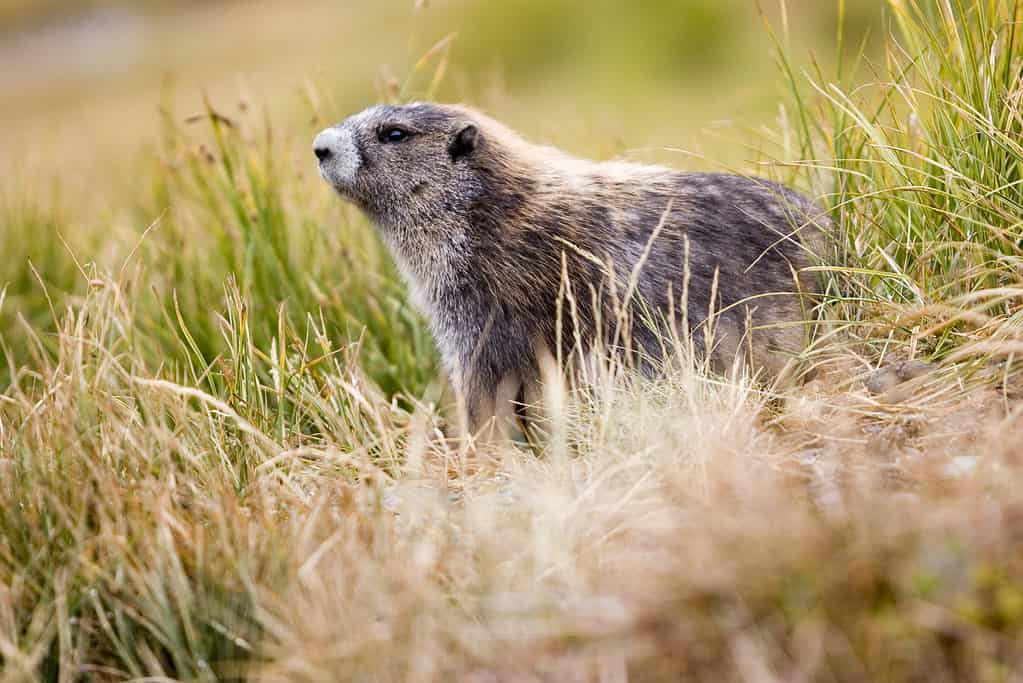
[403, 164]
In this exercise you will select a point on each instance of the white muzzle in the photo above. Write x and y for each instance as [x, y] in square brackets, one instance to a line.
[338, 155]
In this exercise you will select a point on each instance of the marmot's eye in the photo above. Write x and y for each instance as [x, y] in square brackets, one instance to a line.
[393, 134]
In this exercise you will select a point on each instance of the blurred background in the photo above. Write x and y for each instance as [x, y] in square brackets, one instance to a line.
[81, 80]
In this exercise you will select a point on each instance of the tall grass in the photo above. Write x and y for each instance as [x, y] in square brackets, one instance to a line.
[221, 454]
[922, 164]
[227, 206]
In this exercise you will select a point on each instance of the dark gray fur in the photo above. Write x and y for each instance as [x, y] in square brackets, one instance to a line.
[482, 224]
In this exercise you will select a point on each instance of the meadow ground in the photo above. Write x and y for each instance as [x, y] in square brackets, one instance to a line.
[221, 447]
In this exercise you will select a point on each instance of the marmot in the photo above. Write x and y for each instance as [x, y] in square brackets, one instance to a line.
[502, 241]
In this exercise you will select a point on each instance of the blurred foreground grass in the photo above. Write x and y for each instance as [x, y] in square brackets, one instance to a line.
[219, 443]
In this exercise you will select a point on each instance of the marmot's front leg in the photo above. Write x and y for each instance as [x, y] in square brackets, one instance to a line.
[488, 407]
[488, 397]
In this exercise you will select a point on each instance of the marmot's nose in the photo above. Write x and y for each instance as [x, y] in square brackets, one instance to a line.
[324, 144]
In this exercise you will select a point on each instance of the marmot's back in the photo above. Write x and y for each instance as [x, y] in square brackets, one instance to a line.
[685, 243]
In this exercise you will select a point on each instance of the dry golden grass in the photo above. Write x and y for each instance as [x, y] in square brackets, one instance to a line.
[683, 528]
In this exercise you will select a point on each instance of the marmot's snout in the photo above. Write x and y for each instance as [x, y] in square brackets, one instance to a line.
[338, 154]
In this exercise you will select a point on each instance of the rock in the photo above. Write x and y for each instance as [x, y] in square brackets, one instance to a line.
[913, 369]
[884, 380]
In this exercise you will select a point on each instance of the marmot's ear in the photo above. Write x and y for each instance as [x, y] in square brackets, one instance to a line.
[464, 141]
